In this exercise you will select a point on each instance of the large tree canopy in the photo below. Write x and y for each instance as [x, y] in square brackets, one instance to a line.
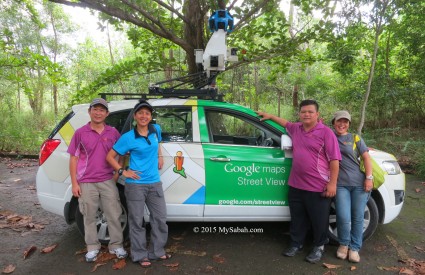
[184, 24]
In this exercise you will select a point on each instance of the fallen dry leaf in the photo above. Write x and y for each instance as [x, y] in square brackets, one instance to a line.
[177, 238]
[331, 266]
[13, 218]
[330, 272]
[120, 264]
[17, 222]
[218, 259]
[49, 248]
[417, 266]
[407, 271]
[5, 213]
[352, 268]
[419, 248]
[8, 269]
[209, 268]
[171, 265]
[417, 190]
[392, 268]
[96, 266]
[29, 251]
[82, 251]
[105, 257]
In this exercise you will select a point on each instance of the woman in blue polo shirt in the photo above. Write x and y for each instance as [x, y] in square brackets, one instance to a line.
[143, 185]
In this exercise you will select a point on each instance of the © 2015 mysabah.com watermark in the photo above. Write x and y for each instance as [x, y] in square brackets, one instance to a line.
[226, 230]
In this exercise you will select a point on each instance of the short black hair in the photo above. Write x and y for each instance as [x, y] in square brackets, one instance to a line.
[309, 102]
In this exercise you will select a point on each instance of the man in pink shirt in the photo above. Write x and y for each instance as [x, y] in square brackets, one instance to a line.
[92, 179]
[312, 182]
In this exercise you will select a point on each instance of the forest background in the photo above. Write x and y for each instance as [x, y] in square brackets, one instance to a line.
[364, 56]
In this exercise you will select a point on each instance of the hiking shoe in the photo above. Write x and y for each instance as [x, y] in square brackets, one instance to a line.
[119, 252]
[315, 255]
[292, 251]
[342, 252]
[91, 256]
[353, 256]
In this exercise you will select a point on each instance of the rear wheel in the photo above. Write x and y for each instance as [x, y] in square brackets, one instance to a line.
[370, 223]
[102, 223]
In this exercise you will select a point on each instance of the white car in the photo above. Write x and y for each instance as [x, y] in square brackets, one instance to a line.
[221, 163]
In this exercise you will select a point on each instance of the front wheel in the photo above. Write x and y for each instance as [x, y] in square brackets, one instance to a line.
[102, 223]
[371, 217]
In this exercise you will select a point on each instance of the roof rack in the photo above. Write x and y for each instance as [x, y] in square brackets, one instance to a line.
[156, 92]
[204, 88]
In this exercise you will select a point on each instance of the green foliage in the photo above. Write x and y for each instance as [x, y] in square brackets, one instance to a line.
[23, 132]
[407, 145]
[420, 167]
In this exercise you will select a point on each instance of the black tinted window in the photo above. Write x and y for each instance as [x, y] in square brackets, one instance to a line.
[175, 122]
[230, 128]
[117, 119]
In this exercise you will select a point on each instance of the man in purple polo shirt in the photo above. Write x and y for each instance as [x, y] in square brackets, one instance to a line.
[92, 179]
[312, 182]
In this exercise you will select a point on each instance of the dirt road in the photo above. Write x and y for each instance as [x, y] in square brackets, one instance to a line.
[196, 247]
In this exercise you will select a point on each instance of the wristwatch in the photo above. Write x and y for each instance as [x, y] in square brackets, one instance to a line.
[120, 171]
[369, 177]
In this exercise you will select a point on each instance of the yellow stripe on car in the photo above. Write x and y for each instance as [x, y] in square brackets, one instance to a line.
[66, 132]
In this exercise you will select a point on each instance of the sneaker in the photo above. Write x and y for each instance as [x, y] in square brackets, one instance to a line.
[342, 252]
[91, 256]
[315, 255]
[119, 252]
[353, 256]
[291, 252]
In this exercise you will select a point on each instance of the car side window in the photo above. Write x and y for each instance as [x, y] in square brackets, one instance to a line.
[117, 119]
[230, 128]
[175, 122]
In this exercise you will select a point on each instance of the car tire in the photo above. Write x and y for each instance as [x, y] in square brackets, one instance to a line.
[369, 226]
[101, 222]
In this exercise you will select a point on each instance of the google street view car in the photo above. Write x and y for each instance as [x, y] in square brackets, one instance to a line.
[221, 163]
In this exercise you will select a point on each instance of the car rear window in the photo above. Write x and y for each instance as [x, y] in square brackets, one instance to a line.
[61, 124]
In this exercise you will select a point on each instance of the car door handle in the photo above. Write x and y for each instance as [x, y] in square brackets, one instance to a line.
[220, 159]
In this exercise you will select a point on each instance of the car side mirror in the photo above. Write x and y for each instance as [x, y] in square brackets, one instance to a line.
[285, 142]
[286, 145]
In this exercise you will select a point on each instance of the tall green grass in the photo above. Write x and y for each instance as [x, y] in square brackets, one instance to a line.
[23, 133]
[406, 144]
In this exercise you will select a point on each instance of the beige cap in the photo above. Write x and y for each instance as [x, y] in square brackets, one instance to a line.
[341, 114]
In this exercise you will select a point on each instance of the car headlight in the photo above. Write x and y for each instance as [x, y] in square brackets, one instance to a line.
[391, 167]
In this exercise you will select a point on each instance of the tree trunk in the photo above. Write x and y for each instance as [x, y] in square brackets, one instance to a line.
[168, 68]
[279, 98]
[378, 31]
[295, 97]
[256, 87]
[193, 35]
[112, 56]
[55, 53]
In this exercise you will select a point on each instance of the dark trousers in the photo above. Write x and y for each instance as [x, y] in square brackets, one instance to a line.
[153, 196]
[309, 210]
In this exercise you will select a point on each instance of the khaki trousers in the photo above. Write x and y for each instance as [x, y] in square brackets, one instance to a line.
[105, 195]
